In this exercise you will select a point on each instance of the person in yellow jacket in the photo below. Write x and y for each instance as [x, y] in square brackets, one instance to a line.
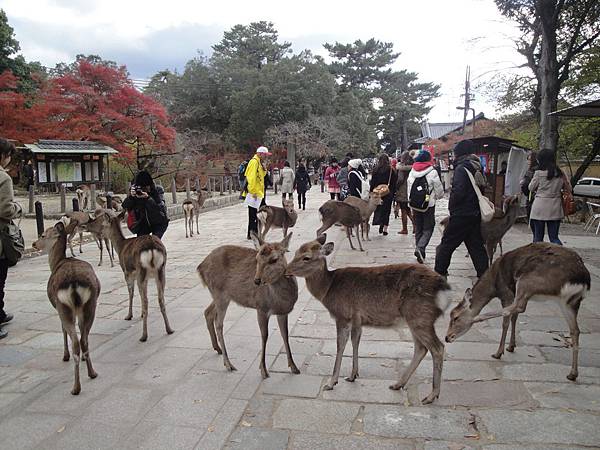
[255, 188]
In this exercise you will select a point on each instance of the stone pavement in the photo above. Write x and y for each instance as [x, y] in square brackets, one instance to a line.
[172, 392]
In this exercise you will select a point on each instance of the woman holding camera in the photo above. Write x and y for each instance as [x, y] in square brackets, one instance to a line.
[146, 205]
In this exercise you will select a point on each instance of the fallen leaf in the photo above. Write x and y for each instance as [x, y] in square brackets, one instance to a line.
[372, 353]
[210, 429]
[358, 433]
[197, 401]
[386, 365]
[472, 436]
[245, 424]
[61, 429]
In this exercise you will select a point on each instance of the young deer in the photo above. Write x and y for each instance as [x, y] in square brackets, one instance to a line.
[333, 211]
[73, 290]
[96, 226]
[539, 269]
[83, 196]
[81, 218]
[377, 296]
[273, 216]
[191, 209]
[494, 230]
[116, 202]
[254, 279]
[366, 210]
[140, 258]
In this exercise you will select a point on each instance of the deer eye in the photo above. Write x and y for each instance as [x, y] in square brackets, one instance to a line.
[272, 261]
[306, 258]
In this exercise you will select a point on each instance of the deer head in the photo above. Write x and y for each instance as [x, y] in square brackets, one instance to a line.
[271, 264]
[511, 201]
[375, 199]
[52, 234]
[308, 258]
[288, 205]
[462, 317]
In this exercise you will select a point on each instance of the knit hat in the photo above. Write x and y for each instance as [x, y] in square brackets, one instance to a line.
[355, 163]
[465, 147]
[423, 156]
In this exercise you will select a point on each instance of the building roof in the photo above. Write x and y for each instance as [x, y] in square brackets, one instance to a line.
[70, 147]
[437, 130]
[589, 109]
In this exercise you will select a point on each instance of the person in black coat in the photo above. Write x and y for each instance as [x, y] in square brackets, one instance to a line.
[464, 224]
[354, 178]
[301, 184]
[383, 173]
[147, 202]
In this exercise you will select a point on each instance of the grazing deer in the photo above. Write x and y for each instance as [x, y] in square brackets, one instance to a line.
[366, 210]
[191, 209]
[73, 290]
[539, 269]
[273, 216]
[494, 230]
[333, 211]
[254, 279]
[377, 296]
[140, 258]
[84, 195]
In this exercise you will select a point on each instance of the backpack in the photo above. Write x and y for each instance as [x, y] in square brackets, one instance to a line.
[418, 199]
[242, 169]
[364, 184]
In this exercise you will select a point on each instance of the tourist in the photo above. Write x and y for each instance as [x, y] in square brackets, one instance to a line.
[403, 168]
[383, 174]
[342, 178]
[331, 178]
[255, 187]
[9, 210]
[355, 178]
[547, 184]
[424, 187]
[286, 181]
[302, 185]
[464, 224]
[146, 207]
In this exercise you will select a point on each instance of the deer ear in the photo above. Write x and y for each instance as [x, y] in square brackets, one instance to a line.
[60, 226]
[258, 242]
[468, 295]
[286, 241]
[327, 249]
[121, 215]
[322, 238]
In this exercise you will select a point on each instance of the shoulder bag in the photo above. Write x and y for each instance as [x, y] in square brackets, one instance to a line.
[568, 201]
[486, 207]
[384, 189]
[13, 244]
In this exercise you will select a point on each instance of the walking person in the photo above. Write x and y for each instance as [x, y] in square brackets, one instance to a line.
[547, 184]
[286, 181]
[9, 210]
[355, 178]
[342, 178]
[146, 207]
[403, 169]
[532, 166]
[302, 185]
[424, 187]
[331, 174]
[255, 187]
[384, 174]
[464, 224]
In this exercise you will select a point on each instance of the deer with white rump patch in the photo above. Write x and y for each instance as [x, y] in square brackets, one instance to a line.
[140, 258]
[73, 289]
[191, 210]
[253, 279]
[377, 296]
[276, 217]
[521, 275]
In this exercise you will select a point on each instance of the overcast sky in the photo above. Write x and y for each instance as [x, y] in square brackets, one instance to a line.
[436, 38]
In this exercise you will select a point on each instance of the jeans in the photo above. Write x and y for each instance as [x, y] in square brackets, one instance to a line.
[301, 200]
[334, 195]
[539, 228]
[3, 275]
[424, 223]
[461, 229]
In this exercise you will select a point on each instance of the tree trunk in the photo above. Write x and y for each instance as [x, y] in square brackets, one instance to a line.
[404, 137]
[548, 74]
[595, 151]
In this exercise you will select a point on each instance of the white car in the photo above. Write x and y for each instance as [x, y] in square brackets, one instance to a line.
[587, 187]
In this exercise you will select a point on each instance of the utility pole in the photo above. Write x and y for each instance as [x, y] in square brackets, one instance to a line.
[467, 98]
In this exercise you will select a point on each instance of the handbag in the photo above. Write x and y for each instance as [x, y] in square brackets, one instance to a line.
[486, 207]
[384, 189]
[13, 244]
[568, 201]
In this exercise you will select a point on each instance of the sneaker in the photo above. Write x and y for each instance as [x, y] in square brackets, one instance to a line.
[419, 256]
[3, 333]
[403, 232]
[5, 318]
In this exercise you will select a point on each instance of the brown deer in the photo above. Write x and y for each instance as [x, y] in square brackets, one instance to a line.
[333, 211]
[116, 202]
[539, 269]
[96, 226]
[81, 218]
[253, 279]
[273, 216]
[503, 220]
[191, 209]
[366, 210]
[84, 194]
[73, 290]
[140, 258]
[377, 296]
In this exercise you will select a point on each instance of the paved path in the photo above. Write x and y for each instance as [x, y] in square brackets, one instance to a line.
[173, 392]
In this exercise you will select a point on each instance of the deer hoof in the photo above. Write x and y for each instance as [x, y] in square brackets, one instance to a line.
[396, 387]
[76, 390]
[93, 374]
[510, 348]
[429, 399]
[295, 369]
[218, 350]
[264, 374]
[351, 378]
[497, 355]
[328, 387]
[170, 331]
[66, 357]
[143, 338]
[230, 367]
[572, 376]
[129, 317]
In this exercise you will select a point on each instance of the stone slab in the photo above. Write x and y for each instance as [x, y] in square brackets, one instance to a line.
[365, 391]
[480, 351]
[548, 372]
[587, 356]
[566, 395]
[151, 436]
[357, 441]
[252, 438]
[223, 424]
[12, 429]
[292, 385]
[385, 368]
[509, 394]
[312, 415]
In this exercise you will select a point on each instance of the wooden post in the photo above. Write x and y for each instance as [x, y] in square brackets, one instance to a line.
[187, 189]
[109, 200]
[31, 200]
[174, 190]
[75, 204]
[92, 205]
[230, 183]
[197, 184]
[39, 217]
[221, 188]
[63, 198]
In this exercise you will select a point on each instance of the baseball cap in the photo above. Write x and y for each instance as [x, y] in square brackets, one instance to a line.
[263, 150]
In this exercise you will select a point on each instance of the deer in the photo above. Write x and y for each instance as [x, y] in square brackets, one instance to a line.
[503, 220]
[84, 195]
[140, 258]
[366, 209]
[73, 290]
[521, 275]
[276, 217]
[191, 208]
[253, 278]
[96, 226]
[334, 211]
[377, 296]
[115, 203]
[81, 218]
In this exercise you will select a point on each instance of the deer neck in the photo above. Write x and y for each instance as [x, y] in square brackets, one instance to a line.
[319, 283]
[116, 236]
[285, 288]
[58, 252]
[484, 291]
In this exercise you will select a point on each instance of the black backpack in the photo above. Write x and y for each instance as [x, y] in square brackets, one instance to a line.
[418, 198]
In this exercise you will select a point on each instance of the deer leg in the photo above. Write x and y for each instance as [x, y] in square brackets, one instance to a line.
[101, 246]
[209, 316]
[142, 281]
[500, 351]
[500, 244]
[160, 287]
[85, 331]
[70, 239]
[197, 229]
[513, 333]
[348, 236]
[355, 337]
[324, 227]
[368, 225]
[263, 323]
[428, 338]
[66, 355]
[221, 309]
[570, 311]
[80, 241]
[130, 280]
[283, 329]
[108, 250]
[358, 239]
[419, 353]
[343, 331]
[68, 321]
[185, 222]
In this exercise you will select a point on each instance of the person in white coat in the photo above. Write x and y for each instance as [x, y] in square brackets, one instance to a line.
[423, 213]
[286, 181]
